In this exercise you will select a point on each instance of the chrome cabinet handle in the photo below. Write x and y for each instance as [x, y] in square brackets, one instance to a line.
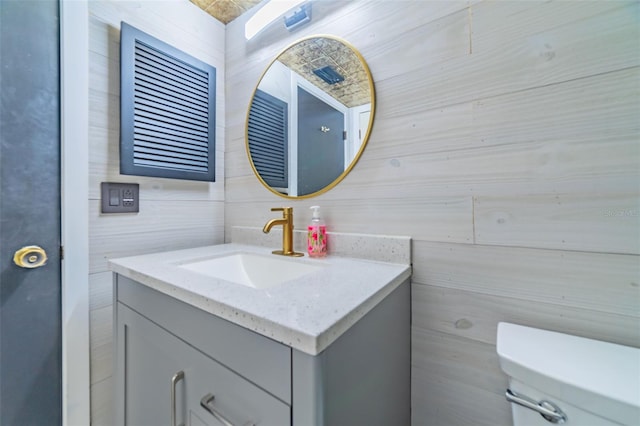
[174, 381]
[206, 401]
[550, 411]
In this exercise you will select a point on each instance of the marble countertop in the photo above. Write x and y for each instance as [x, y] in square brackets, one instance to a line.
[307, 313]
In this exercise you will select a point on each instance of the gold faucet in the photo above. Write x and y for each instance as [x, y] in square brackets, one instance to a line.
[287, 231]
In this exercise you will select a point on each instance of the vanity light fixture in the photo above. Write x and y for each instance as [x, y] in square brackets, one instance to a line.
[271, 11]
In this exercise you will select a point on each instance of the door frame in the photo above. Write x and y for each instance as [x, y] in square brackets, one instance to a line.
[74, 155]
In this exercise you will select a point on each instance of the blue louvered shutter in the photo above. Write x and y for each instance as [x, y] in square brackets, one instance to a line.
[268, 135]
[167, 110]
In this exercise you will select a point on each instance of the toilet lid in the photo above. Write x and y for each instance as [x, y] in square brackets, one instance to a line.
[588, 373]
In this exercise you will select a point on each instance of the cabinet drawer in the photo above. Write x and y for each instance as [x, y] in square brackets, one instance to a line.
[261, 360]
[151, 356]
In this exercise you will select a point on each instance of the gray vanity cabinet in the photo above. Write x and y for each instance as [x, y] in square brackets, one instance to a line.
[168, 351]
[162, 369]
[363, 378]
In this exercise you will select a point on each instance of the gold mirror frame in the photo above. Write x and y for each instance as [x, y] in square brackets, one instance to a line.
[365, 140]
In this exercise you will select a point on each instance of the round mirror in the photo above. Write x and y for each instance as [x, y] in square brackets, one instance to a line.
[310, 117]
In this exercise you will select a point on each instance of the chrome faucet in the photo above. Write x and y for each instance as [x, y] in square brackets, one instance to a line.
[287, 231]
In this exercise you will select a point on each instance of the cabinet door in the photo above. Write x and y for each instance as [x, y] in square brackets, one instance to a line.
[146, 364]
[149, 357]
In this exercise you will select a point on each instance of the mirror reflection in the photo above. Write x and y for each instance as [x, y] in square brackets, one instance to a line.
[310, 117]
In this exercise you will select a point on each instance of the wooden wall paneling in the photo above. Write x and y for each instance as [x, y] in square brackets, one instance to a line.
[104, 110]
[448, 128]
[158, 189]
[157, 215]
[611, 23]
[423, 18]
[504, 72]
[247, 188]
[571, 166]
[237, 108]
[104, 166]
[440, 40]
[593, 281]
[350, 22]
[173, 213]
[507, 104]
[475, 316]
[456, 382]
[591, 108]
[182, 22]
[236, 159]
[442, 402]
[104, 73]
[365, 26]
[458, 359]
[101, 329]
[100, 290]
[159, 226]
[101, 325]
[605, 223]
[105, 247]
[440, 219]
[565, 166]
[552, 150]
[102, 403]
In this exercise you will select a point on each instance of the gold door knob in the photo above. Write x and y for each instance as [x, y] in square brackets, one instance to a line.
[30, 257]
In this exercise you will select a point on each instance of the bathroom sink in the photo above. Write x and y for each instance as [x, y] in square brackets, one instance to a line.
[252, 270]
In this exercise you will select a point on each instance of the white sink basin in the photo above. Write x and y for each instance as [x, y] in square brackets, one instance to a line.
[252, 270]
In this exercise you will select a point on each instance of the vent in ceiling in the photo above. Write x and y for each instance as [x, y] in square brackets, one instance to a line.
[328, 75]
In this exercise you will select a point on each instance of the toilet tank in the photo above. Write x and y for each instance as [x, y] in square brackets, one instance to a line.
[591, 382]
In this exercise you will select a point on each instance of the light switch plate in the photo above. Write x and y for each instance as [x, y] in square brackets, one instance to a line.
[120, 197]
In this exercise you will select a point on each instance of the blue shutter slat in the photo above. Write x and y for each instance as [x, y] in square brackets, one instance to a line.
[153, 63]
[150, 88]
[169, 145]
[149, 109]
[156, 82]
[150, 134]
[162, 124]
[157, 152]
[163, 164]
[171, 82]
[174, 62]
[161, 102]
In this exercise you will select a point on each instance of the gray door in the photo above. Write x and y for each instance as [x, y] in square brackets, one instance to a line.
[320, 143]
[30, 303]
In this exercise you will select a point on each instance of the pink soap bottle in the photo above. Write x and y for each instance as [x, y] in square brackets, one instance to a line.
[316, 235]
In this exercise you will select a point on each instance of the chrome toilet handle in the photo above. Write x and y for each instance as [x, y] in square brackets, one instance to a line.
[550, 411]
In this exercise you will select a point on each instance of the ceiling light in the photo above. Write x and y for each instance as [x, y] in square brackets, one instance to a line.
[298, 17]
[267, 14]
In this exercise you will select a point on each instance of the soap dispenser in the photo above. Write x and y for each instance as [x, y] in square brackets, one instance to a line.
[316, 235]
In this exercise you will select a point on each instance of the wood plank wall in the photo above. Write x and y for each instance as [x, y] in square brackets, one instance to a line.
[173, 214]
[506, 144]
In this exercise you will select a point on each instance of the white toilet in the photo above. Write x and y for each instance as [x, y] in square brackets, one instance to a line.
[568, 379]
